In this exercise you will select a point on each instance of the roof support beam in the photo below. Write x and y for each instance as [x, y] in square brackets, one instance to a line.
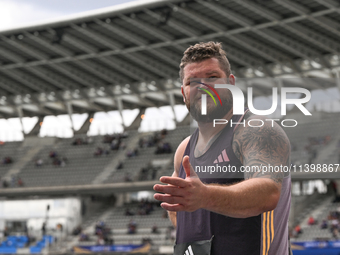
[282, 41]
[314, 38]
[79, 43]
[264, 12]
[12, 56]
[174, 24]
[165, 44]
[199, 18]
[158, 33]
[102, 72]
[306, 33]
[47, 44]
[52, 78]
[76, 75]
[122, 32]
[28, 80]
[137, 73]
[12, 87]
[150, 64]
[162, 54]
[102, 39]
[301, 10]
[25, 48]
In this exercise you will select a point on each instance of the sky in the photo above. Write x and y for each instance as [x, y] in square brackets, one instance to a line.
[16, 13]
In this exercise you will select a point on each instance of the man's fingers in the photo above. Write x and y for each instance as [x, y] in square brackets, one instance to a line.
[168, 189]
[172, 208]
[176, 181]
[169, 198]
[188, 168]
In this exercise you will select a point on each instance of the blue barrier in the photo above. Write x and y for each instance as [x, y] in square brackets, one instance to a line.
[317, 252]
[316, 248]
[37, 248]
[8, 250]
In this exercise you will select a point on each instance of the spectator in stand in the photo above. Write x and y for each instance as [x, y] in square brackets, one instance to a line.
[164, 132]
[20, 182]
[334, 186]
[141, 142]
[77, 230]
[99, 151]
[6, 232]
[5, 183]
[53, 154]
[146, 240]
[297, 231]
[120, 165]
[56, 161]
[100, 240]
[311, 221]
[163, 148]
[129, 153]
[154, 229]
[43, 229]
[39, 162]
[7, 160]
[143, 174]
[127, 178]
[132, 227]
[128, 212]
[83, 237]
[78, 141]
[324, 224]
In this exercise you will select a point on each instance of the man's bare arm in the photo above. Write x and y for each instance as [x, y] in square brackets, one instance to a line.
[256, 148]
[259, 193]
[177, 164]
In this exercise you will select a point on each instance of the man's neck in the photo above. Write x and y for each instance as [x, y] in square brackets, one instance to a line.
[207, 131]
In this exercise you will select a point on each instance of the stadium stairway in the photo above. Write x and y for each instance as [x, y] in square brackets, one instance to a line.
[132, 141]
[133, 165]
[25, 159]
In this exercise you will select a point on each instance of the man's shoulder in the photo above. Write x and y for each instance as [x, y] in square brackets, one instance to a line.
[181, 147]
[258, 134]
[258, 125]
[180, 152]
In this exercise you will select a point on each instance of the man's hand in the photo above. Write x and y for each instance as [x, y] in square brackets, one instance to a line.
[181, 194]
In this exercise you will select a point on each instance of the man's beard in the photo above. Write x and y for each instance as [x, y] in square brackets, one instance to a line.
[215, 112]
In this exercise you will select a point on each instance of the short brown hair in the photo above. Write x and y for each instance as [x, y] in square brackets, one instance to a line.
[202, 51]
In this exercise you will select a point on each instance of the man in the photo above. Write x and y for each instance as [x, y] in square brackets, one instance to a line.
[226, 212]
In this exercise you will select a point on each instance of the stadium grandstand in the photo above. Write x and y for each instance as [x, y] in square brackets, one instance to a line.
[92, 112]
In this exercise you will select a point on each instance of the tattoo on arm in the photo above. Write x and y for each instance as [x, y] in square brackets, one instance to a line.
[262, 146]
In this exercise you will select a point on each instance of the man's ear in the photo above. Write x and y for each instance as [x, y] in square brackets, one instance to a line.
[232, 79]
[183, 93]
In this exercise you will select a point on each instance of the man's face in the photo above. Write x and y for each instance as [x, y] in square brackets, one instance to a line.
[202, 76]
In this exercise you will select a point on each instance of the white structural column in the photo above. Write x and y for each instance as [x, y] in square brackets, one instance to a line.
[119, 102]
[21, 115]
[172, 104]
[70, 112]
